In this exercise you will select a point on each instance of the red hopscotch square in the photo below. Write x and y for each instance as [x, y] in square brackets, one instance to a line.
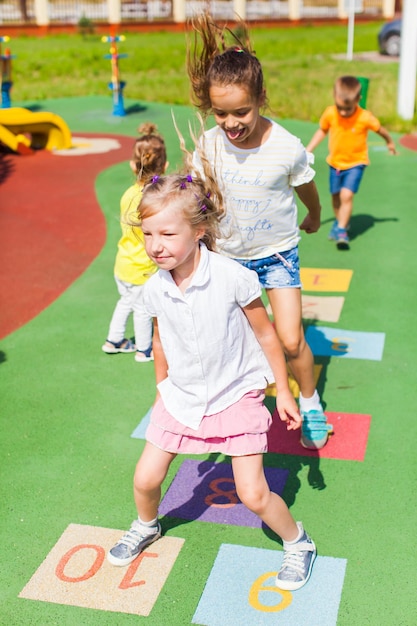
[348, 443]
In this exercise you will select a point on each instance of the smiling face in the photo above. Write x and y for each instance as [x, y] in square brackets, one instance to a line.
[237, 112]
[171, 242]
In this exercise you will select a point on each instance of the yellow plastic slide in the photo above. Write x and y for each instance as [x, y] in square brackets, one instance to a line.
[22, 130]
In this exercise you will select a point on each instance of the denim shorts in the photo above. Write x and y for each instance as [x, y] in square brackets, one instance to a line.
[277, 271]
[349, 179]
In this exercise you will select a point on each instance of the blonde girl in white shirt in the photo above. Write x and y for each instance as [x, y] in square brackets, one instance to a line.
[215, 351]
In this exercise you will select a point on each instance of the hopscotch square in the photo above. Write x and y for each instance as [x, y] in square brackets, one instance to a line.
[76, 572]
[347, 344]
[322, 308]
[322, 279]
[140, 430]
[205, 491]
[348, 443]
[242, 585]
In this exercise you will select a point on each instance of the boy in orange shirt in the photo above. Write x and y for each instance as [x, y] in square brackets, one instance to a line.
[348, 156]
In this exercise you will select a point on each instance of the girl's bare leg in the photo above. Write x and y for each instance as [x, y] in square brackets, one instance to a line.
[286, 310]
[150, 473]
[253, 490]
[343, 206]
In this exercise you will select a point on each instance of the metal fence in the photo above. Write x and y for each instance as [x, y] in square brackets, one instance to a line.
[72, 11]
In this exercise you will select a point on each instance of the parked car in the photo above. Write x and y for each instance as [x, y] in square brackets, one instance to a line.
[389, 38]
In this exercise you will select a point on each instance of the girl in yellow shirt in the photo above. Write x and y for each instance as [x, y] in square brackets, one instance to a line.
[133, 267]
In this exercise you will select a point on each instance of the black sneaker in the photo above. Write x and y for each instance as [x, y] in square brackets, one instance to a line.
[131, 545]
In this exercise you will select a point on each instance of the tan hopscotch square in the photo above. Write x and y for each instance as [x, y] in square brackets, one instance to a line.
[322, 308]
[76, 572]
[316, 279]
[271, 390]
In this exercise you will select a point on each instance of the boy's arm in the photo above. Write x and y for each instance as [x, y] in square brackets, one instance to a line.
[309, 196]
[318, 136]
[270, 344]
[385, 135]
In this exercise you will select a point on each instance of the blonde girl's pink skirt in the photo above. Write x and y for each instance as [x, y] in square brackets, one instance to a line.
[239, 430]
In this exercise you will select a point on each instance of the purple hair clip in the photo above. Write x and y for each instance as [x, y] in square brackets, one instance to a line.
[155, 179]
[188, 179]
[203, 208]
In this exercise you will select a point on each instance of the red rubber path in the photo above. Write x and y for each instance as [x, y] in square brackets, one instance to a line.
[51, 226]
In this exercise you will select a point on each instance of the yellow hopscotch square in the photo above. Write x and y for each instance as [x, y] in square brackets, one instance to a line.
[322, 279]
[322, 308]
[76, 572]
[271, 390]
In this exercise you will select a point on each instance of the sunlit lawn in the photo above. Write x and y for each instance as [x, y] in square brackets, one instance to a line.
[300, 65]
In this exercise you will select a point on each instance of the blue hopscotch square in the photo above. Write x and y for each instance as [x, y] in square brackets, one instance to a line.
[241, 590]
[348, 344]
[140, 430]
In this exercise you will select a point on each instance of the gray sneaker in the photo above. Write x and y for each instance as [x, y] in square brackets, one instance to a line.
[297, 564]
[131, 545]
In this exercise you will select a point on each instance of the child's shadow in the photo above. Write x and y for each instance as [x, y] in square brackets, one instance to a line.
[362, 222]
[195, 506]
[359, 224]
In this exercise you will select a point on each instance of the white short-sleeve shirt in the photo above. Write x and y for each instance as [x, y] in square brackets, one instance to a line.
[213, 355]
[258, 187]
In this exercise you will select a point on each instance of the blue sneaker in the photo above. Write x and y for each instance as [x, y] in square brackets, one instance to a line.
[342, 239]
[298, 562]
[315, 430]
[332, 233]
[131, 545]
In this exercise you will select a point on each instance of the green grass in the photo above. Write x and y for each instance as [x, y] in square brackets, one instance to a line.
[299, 63]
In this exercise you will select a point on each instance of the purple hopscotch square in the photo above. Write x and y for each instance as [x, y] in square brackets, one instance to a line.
[205, 491]
[242, 585]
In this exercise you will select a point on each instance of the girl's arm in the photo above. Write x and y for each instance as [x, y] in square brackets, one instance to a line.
[160, 362]
[270, 344]
[309, 196]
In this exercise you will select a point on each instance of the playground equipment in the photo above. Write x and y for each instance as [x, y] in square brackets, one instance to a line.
[6, 74]
[364, 90]
[116, 84]
[22, 130]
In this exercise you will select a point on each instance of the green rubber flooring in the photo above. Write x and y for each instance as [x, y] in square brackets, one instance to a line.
[68, 412]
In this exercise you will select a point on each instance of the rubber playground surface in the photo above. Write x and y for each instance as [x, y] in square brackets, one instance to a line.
[73, 418]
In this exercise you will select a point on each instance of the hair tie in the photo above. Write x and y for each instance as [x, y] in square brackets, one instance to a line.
[188, 179]
[155, 179]
[238, 49]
